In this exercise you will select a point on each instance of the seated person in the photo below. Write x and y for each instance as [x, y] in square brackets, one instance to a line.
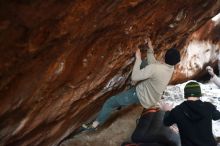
[150, 131]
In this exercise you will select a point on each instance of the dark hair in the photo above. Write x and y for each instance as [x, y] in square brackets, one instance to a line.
[172, 56]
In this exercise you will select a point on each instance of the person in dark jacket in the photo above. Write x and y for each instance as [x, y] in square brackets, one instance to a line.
[193, 118]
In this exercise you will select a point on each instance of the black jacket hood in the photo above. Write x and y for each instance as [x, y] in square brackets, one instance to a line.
[193, 110]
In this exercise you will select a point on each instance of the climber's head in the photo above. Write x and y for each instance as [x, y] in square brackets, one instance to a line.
[172, 56]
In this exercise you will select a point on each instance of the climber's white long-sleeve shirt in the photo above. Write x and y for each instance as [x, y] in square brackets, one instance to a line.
[154, 79]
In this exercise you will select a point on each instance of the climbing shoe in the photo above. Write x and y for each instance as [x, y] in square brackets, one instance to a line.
[88, 127]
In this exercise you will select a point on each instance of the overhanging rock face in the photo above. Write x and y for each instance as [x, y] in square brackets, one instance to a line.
[60, 60]
[202, 49]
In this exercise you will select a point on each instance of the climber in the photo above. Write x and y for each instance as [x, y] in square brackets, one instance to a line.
[214, 78]
[193, 117]
[152, 79]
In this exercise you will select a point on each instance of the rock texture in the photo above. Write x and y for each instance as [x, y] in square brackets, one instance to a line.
[60, 60]
[201, 50]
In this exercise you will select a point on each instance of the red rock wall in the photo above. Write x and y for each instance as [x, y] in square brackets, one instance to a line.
[202, 49]
[60, 60]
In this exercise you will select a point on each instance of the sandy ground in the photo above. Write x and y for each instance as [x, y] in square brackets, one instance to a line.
[117, 130]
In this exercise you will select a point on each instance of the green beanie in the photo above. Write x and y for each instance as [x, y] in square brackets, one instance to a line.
[192, 89]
